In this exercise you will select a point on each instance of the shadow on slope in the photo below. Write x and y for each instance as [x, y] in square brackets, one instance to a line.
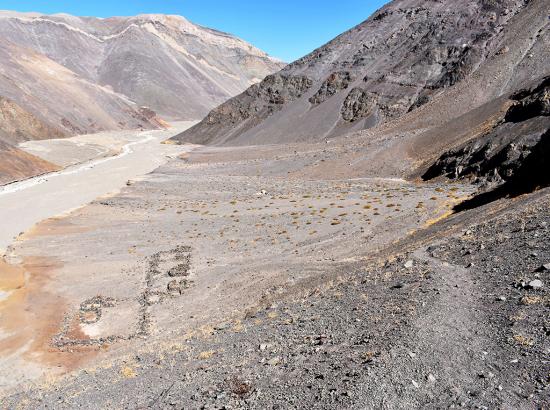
[512, 157]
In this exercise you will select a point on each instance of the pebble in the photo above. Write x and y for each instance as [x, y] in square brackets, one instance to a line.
[274, 362]
[409, 264]
[502, 298]
[412, 355]
[535, 284]
[415, 384]
[431, 378]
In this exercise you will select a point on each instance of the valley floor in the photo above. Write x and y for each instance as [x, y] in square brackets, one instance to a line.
[94, 165]
[262, 277]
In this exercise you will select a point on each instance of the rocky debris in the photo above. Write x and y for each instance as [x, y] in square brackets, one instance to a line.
[351, 345]
[181, 269]
[177, 286]
[335, 82]
[513, 154]
[92, 309]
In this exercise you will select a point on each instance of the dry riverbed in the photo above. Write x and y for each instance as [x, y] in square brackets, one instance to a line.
[86, 177]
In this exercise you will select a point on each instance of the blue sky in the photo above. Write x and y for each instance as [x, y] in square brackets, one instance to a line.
[287, 29]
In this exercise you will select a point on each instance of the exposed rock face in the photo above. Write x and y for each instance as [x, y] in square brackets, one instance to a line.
[178, 69]
[531, 102]
[514, 153]
[334, 83]
[259, 101]
[358, 104]
[396, 61]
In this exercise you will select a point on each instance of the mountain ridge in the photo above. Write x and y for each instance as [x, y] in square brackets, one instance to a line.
[403, 56]
[172, 61]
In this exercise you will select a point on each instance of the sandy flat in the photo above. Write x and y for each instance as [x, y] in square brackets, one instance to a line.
[25, 203]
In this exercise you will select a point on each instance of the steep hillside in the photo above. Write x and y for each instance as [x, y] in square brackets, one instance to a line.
[16, 164]
[512, 156]
[178, 69]
[60, 98]
[17, 125]
[404, 56]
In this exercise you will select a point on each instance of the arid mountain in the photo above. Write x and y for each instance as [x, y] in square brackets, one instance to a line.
[18, 125]
[62, 99]
[407, 54]
[178, 69]
[63, 75]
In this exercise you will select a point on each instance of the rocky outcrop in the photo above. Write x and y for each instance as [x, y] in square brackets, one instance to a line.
[333, 84]
[358, 104]
[401, 58]
[259, 102]
[17, 125]
[513, 156]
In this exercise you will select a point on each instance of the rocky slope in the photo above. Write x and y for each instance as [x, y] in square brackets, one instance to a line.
[513, 154]
[178, 69]
[407, 54]
[16, 164]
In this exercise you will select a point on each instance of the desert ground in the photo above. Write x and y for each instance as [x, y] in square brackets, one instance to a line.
[194, 286]
[93, 165]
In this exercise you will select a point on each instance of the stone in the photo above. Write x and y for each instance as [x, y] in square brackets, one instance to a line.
[274, 362]
[535, 284]
[409, 264]
[431, 378]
